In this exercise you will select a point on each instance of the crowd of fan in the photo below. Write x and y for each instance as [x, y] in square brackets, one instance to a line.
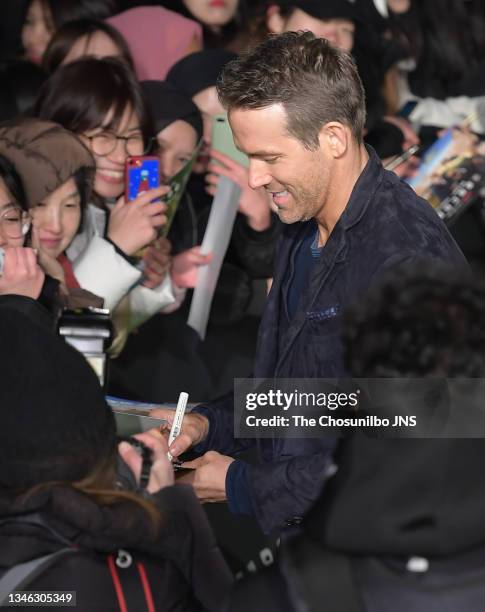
[84, 84]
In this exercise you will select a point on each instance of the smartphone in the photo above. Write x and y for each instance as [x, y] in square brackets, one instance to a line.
[223, 141]
[2, 257]
[142, 173]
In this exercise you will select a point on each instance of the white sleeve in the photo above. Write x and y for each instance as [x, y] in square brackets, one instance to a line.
[179, 296]
[145, 302]
[104, 272]
[450, 112]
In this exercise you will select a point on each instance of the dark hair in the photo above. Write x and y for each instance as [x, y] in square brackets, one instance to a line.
[62, 11]
[20, 82]
[420, 321]
[71, 32]
[314, 82]
[78, 96]
[84, 179]
[447, 40]
[100, 486]
[13, 182]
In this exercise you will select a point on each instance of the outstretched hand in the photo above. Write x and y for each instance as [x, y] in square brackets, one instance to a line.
[133, 225]
[195, 428]
[185, 267]
[208, 476]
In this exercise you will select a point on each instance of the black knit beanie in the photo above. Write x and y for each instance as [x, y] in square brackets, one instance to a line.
[56, 425]
[198, 71]
[168, 104]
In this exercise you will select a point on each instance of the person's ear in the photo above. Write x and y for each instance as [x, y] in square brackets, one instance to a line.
[335, 137]
[275, 22]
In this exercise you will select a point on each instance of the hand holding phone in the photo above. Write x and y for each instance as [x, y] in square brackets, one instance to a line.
[133, 225]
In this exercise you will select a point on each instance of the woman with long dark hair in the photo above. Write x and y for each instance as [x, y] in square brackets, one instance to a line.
[101, 102]
[136, 543]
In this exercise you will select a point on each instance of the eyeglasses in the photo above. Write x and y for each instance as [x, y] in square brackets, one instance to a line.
[105, 143]
[15, 222]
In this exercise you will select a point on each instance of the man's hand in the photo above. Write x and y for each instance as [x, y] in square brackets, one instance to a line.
[133, 225]
[157, 262]
[185, 266]
[208, 476]
[195, 428]
[253, 203]
[22, 275]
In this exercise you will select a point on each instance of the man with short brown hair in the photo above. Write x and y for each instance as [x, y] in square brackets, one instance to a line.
[296, 108]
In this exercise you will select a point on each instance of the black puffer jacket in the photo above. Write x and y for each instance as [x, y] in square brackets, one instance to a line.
[183, 567]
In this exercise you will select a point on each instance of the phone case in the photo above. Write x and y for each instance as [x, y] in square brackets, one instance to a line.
[223, 141]
[142, 173]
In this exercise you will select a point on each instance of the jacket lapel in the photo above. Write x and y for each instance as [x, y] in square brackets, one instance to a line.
[269, 332]
[334, 250]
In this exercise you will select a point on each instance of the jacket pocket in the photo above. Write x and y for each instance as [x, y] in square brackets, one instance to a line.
[324, 322]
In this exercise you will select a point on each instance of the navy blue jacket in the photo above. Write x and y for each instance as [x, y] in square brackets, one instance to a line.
[384, 224]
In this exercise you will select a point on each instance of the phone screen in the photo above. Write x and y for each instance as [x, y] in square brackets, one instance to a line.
[142, 174]
[223, 141]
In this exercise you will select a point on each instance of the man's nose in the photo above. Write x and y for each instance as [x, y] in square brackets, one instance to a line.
[258, 175]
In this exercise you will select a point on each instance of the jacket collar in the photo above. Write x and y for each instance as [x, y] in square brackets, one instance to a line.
[363, 191]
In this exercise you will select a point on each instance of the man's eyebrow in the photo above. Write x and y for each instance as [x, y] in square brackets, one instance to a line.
[263, 153]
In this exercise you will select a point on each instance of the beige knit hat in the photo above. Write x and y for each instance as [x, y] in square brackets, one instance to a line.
[44, 154]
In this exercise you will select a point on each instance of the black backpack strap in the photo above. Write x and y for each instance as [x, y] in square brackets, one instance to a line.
[21, 575]
[318, 579]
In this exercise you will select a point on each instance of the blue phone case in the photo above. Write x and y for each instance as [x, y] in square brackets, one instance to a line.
[142, 174]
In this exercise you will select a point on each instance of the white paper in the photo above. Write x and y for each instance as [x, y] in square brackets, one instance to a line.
[216, 240]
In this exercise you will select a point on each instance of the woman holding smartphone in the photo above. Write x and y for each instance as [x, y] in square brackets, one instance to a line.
[101, 102]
